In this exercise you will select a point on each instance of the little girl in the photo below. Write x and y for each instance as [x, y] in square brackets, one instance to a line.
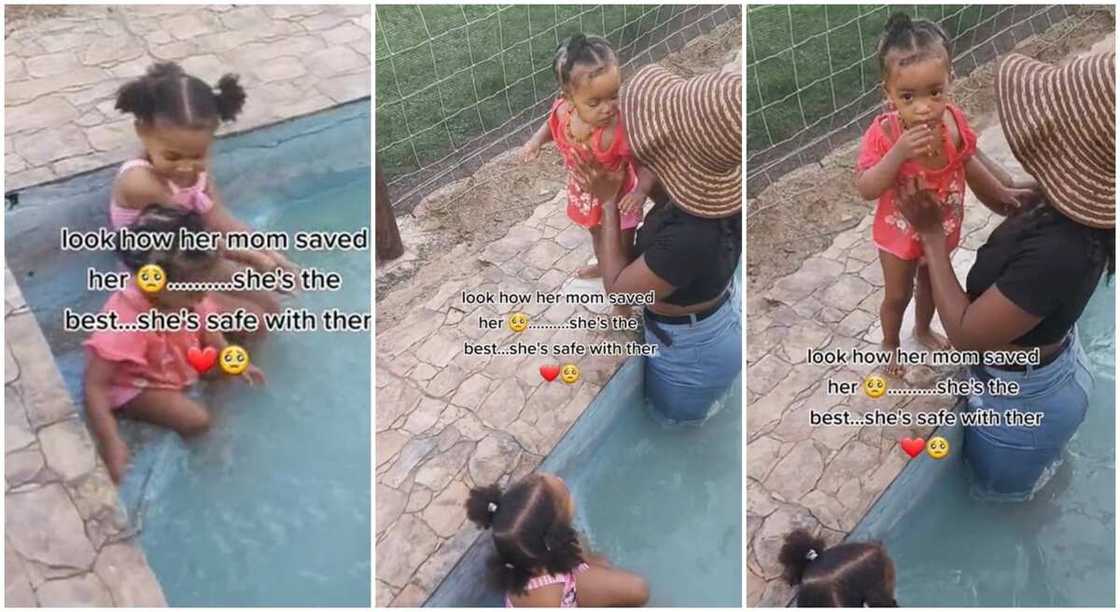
[849, 575]
[176, 118]
[922, 139]
[539, 560]
[144, 375]
[585, 124]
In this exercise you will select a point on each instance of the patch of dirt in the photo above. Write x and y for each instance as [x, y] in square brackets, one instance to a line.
[799, 215]
[18, 16]
[463, 216]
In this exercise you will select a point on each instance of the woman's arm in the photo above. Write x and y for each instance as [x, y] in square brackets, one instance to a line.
[619, 275]
[995, 188]
[992, 320]
[98, 380]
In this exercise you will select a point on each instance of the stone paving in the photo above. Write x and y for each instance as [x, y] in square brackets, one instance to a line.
[67, 539]
[826, 478]
[447, 421]
[62, 73]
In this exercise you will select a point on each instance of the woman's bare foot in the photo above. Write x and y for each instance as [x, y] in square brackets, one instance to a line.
[893, 368]
[932, 340]
[591, 271]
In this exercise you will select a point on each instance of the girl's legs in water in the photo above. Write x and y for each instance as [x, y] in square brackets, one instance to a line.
[170, 409]
[898, 278]
[923, 311]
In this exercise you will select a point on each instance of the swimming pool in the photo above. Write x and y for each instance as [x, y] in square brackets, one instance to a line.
[663, 502]
[1056, 550]
[272, 506]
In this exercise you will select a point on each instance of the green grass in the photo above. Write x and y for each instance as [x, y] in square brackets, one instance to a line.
[828, 60]
[427, 101]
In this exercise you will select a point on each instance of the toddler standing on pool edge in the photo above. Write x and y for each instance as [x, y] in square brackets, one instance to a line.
[924, 140]
[585, 124]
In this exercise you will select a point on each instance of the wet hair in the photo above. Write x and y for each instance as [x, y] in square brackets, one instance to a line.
[177, 262]
[581, 50]
[166, 92]
[530, 535]
[848, 575]
[920, 38]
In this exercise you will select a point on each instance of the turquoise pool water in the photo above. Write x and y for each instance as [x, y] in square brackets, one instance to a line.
[1056, 550]
[272, 506]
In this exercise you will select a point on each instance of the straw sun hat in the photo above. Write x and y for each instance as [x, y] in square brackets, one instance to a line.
[688, 131]
[1061, 125]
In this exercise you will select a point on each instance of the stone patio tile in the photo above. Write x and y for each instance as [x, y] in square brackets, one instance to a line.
[43, 526]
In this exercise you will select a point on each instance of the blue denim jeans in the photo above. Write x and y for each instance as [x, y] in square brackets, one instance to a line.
[1012, 463]
[685, 380]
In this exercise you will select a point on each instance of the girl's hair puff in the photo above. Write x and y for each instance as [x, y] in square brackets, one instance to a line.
[920, 38]
[166, 92]
[852, 574]
[530, 535]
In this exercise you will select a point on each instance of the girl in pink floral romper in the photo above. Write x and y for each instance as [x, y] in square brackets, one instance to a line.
[923, 141]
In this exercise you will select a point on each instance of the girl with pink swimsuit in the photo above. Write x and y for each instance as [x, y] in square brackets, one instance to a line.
[539, 560]
[176, 118]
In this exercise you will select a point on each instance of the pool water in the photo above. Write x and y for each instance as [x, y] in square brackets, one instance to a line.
[1055, 550]
[272, 506]
[666, 503]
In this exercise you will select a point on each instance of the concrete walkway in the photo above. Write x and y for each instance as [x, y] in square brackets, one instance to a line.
[447, 421]
[826, 478]
[67, 540]
[62, 73]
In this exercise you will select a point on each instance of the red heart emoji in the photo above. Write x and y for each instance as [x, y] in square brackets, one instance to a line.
[550, 372]
[912, 446]
[202, 360]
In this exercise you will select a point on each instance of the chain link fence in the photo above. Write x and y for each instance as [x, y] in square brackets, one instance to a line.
[813, 75]
[457, 85]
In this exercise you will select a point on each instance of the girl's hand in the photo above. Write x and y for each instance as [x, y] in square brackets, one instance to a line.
[916, 141]
[600, 182]
[1019, 199]
[253, 375]
[920, 207]
[530, 150]
[632, 202]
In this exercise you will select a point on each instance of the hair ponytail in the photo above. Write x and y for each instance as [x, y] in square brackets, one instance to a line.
[799, 550]
[562, 549]
[482, 504]
[916, 35]
[579, 50]
[230, 97]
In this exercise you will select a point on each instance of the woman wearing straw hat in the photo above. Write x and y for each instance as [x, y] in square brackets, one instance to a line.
[688, 247]
[1038, 269]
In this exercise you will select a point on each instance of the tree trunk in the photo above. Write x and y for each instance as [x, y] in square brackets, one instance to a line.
[387, 238]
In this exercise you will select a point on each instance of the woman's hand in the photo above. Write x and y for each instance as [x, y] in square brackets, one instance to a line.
[599, 181]
[632, 202]
[530, 150]
[920, 207]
